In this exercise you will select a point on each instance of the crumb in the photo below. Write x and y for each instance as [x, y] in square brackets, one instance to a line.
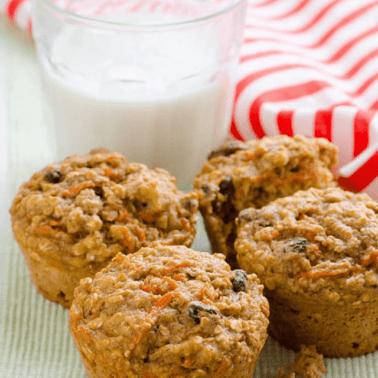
[307, 364]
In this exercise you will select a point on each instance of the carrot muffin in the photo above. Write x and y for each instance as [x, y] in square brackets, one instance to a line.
[239, 175]
[169, 312]
[73, 217]
[316, 252]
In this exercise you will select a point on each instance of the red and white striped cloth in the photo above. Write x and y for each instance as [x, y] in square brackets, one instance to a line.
[307, 67]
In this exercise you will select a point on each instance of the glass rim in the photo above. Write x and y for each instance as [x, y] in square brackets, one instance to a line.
[232, 4]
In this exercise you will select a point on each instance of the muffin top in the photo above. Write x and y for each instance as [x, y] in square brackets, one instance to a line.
[85, 209]
[319, 242]
[170, 311]
[238, 174]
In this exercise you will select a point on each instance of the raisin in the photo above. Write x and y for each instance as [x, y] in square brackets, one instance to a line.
[156, 328]
[190, 204]
[53, 177]
[139, 206]
[227, 149]
[226, 187]
[99, 191]
[239, 280]
[206, 189]
[299, 245]
[80, 235]
[196, 307]
[246, 216]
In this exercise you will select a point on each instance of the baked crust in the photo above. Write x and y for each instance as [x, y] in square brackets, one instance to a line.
[316, 253]
[169, 312]
[71, 218]
[240, 175]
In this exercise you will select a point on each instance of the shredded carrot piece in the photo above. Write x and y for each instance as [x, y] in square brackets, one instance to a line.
[152, 289]
[113, 176]
[302, 177]
[221, 369]
[373, 257]
[310, 235]
[163, 302]
[128, 240]
[76, 189]
[172, 284]
[179, 277]
[357, 269]
[314, 249]
[264, 309]
[83, 334]
[108, 172]
[269, 235]
[123, 215]
[321, 273]
[184, 223]
[137, 337]
[45, 230]
[205, 293]
[146, 325]
[153, 184]
[189, 361]
[148, 217]
[141, 234]
[148, 374]
[55, 223]
[75, 316]
[249, 156]
[170, 270]
[363, 311]
[118, 258]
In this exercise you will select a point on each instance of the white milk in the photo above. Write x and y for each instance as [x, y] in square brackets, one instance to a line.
[134, 96]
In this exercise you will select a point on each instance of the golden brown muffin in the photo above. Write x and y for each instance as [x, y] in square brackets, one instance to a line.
[73, 217]
[167, 312]
[239, 175]
[316, 252]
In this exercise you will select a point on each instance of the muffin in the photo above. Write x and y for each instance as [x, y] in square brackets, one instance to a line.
[239, 175]
[73, 217]
[166, 312]
[316, 253]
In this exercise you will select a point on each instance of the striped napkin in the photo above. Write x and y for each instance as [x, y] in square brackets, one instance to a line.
[307, 67]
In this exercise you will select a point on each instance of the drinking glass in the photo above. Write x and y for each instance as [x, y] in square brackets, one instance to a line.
[151, 79]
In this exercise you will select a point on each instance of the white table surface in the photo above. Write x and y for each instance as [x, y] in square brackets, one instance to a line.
[34, 337]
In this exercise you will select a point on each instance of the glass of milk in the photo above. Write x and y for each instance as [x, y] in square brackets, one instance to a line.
[152, 79]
